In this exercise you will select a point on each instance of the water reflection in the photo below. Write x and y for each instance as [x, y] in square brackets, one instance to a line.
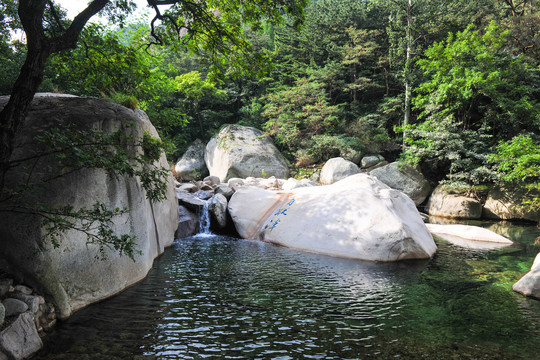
[218, 297]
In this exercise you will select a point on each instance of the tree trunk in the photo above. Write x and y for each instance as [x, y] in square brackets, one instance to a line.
[407, 72]
[31, 74]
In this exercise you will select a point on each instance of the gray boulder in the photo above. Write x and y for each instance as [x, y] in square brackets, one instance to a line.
[217, 208]
[505, 203]
[240, 152]
[337, 169]
[529, 284]
[30, 300]
[224, 190]
[190, 201]
[371, 160]
[444, 203]
[191, 165]
[404, 178]
[14, 306]
[20, 339]
[73, 274]
[188, 223]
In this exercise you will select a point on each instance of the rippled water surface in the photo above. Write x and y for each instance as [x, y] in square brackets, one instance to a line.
[224, 298]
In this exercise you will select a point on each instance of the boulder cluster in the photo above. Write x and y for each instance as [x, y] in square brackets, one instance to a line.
[25, 317]
[193, 196]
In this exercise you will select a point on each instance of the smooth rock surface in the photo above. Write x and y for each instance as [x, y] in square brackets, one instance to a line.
[188, 223]
[473, 233]
[14, 306]
[371, 160]
[20, 339]
[404, 178]
[73, 274]
[443, 203]
[217, 208]
[504, 203]
[190, 201]
[2, 313]
[30, 300]
[358, 217]
[240, 152]
[192, 165]
[337, 169]
[529, 284]
[224, 190]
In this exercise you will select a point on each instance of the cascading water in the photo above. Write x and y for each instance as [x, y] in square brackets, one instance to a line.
[204, 220]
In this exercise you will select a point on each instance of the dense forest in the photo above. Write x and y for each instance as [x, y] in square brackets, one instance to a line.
[450, 86]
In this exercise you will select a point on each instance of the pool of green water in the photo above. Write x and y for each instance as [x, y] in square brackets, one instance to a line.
[223, 298]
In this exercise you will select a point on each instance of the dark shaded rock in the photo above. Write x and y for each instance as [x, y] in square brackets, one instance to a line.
[188, 223]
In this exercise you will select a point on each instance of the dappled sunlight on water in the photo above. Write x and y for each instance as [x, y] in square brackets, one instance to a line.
[218, 297]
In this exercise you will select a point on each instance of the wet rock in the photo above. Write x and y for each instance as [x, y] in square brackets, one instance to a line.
[529, 284]
[20, 339]
[337, 169]
[14, 306]
[188, 223]
[217, 209]
[203, 194]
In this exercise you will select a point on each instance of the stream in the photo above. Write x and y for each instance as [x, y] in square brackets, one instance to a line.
[223, 298]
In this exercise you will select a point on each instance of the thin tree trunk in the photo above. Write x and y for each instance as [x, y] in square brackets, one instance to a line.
[407, 74]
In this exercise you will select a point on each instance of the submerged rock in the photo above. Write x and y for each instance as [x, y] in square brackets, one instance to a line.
[241, 152]
[529, 284]
[358, 217]
[469, 236]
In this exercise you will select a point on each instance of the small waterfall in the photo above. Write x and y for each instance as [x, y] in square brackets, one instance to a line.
[204, 221]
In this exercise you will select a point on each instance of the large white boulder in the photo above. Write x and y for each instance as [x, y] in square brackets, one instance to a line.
[241, 152]
[404, 178]
[73, 273]
[337, 169]
[191, 165]
[529, 284]
[358, 217]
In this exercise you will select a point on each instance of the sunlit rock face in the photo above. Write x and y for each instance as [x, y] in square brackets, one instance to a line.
[529, 284]
[358, 217]
[472, 237]
[241, 152]
[191, 165]
[405, 178]
[73, 274]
